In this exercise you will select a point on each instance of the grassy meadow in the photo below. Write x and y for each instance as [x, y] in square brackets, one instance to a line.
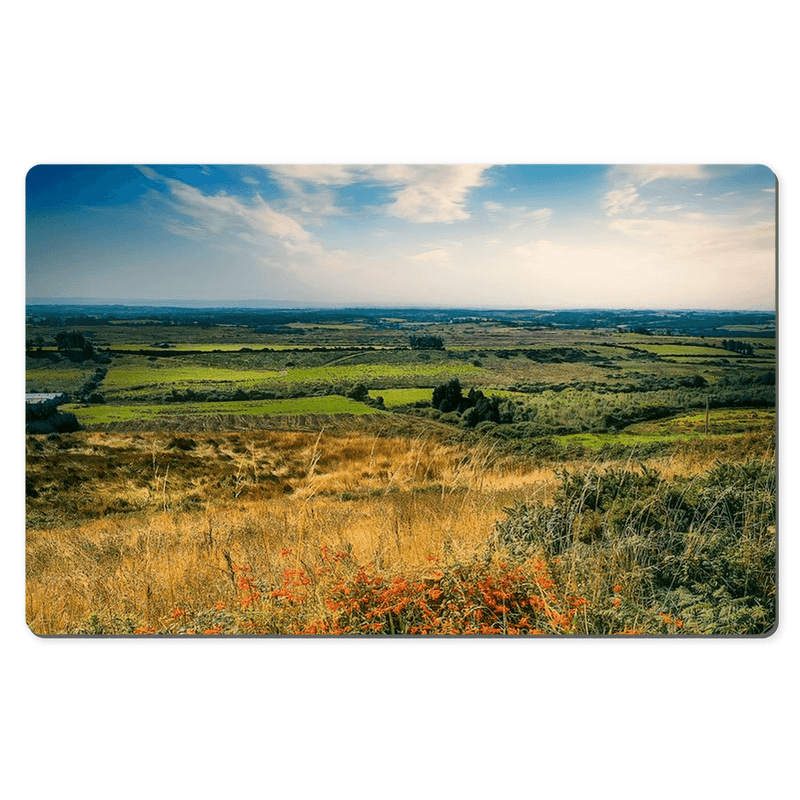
[298, 477]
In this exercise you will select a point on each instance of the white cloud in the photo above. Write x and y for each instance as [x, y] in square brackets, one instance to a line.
[520, 216]
[771, 189]
[626, 181]
[623, 201]
[325, 174]
[642, 174]
[427, 193]
[149, 173]
[541, 216]
[223, 218]
[251, 180]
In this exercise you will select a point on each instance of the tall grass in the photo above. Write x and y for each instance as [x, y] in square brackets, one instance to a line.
[307, 533]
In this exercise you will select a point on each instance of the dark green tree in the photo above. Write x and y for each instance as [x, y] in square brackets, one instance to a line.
[74, 340]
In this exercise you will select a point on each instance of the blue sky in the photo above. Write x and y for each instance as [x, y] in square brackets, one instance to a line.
[543, 236]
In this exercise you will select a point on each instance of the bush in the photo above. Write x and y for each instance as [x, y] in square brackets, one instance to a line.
[358, 392]
[700, 552]
[426, 342]
[56, 423]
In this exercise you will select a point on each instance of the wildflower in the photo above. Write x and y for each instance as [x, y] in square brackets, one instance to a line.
[177, 613]
[617, 601]
[617, 588]
[285, 552]
[213, 631]
[219, 605]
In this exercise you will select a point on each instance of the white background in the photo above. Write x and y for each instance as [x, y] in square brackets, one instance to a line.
[355, 82]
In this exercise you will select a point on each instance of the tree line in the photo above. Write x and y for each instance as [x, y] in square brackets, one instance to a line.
[745, 348]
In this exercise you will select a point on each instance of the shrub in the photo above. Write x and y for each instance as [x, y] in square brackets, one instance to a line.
[358, 392]
[700, 551]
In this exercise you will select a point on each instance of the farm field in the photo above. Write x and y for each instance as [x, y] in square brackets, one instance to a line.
[334, 404]
[324, 473]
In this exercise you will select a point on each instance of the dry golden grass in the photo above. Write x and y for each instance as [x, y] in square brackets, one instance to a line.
[133, 527]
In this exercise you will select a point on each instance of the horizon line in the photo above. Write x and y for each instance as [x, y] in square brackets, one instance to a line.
[296, 305]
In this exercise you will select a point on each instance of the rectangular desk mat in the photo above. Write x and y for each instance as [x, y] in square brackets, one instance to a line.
[403, 400]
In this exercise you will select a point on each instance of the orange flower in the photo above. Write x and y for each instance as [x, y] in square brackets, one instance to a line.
[617, 588]
[617, 601]
[286, 552]
[178, 613]
[219, 605]
[213, 631]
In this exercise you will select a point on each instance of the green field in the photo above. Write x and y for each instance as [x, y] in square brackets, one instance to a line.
[722, 422]
[334, 404]
[182, 347]
[42, 376]
[553, 381]
[141, 376]
[681, 350]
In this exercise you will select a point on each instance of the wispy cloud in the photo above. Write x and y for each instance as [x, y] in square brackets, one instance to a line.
[149, 173]
[254, 222]
[667, 209]
[439, 255]
[642, 174]
[623, 201]
[519, 216]
[427, 193]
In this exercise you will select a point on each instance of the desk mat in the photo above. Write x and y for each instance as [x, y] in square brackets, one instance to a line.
[403, 400]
